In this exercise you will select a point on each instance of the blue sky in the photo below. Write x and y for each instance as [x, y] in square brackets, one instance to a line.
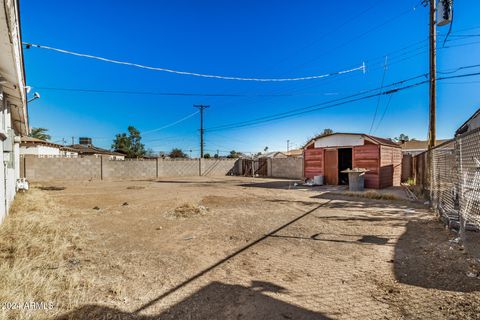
[248, 39]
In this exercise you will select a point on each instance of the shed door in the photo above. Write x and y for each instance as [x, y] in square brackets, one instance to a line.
[331, 166]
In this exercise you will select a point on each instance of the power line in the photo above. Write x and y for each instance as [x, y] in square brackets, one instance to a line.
[384, 112]
[189, 94]
[327, 105]
[379, 97]
[195, 74]
[171, 124]
[425, 75]
[323, 103]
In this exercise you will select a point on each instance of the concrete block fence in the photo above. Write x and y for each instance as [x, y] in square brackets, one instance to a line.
[100, 168]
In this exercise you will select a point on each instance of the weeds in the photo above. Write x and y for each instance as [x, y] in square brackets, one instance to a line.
[38, 258]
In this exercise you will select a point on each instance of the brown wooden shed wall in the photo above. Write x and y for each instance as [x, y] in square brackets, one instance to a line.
[313, 162]
[384, 164]
[390, 166]
[368, 157]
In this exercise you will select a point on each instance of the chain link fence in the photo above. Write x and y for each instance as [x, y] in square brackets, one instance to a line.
[453, 181]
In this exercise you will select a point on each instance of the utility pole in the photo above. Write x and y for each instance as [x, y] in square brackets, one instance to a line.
[288, 145]
[433, 75]
[202, 131]
[73, 141]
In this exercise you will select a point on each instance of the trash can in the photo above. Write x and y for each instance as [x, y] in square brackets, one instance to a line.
[356, 179]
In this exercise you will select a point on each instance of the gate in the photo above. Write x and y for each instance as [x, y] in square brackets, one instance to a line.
[260, 167]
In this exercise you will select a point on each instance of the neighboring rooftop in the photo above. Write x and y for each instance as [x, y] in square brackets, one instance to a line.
[419, 145]
[294, 153]
[91, 149]
[30, 141]
[472, 123]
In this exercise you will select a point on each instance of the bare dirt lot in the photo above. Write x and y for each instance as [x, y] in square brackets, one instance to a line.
[237, 248]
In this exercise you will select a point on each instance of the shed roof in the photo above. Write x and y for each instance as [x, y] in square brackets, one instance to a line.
[374, 139]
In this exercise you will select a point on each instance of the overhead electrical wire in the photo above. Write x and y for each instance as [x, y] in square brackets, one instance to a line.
[171, 124]
[363, 34]
[195, 74]
[425, 75]
[379, 97]
[154, 93]
[384, 112]
[330, 104]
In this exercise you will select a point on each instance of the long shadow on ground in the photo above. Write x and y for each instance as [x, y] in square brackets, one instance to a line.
[215, 301]
[210, 302]
[423, 255]
[281, 184]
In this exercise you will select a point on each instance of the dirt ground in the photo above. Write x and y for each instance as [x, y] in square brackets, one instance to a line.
[243, 248]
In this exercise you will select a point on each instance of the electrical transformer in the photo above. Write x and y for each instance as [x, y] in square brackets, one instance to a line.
[444, 12]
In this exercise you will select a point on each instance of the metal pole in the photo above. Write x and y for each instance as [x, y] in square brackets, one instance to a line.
[288, 145]
[202, 131]
[433, 75]
[432, 97]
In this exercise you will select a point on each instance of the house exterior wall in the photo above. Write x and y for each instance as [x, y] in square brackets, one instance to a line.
[39, 150]
[9, 159]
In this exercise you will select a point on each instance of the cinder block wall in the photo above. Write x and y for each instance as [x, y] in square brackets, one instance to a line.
[291, 168]
[117, 170]
[92, 168]
[45, 169]
[178, 167]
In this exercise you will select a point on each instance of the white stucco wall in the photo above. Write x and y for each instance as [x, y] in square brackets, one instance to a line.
[339, 140]
[9, 161]
[39, 150]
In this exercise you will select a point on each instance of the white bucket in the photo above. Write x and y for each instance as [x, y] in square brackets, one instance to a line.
[318, 180]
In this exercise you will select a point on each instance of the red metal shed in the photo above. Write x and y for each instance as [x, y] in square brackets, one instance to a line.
[330, 154]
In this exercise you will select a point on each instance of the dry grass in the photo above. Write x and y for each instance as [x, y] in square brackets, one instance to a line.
[371, 195]
[38, 257]
[188, 210]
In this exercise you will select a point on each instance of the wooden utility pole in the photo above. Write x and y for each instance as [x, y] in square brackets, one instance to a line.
[433, 76]
[202, 131]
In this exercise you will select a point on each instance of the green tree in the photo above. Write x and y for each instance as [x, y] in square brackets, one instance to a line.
[233, 154]
[207, 156]
[326, 131]
[129, 144]
[150, 153]
[401, 137]
[40, 133]
[177, 153]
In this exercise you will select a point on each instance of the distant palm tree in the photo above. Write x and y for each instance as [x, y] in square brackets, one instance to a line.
[40, 133]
